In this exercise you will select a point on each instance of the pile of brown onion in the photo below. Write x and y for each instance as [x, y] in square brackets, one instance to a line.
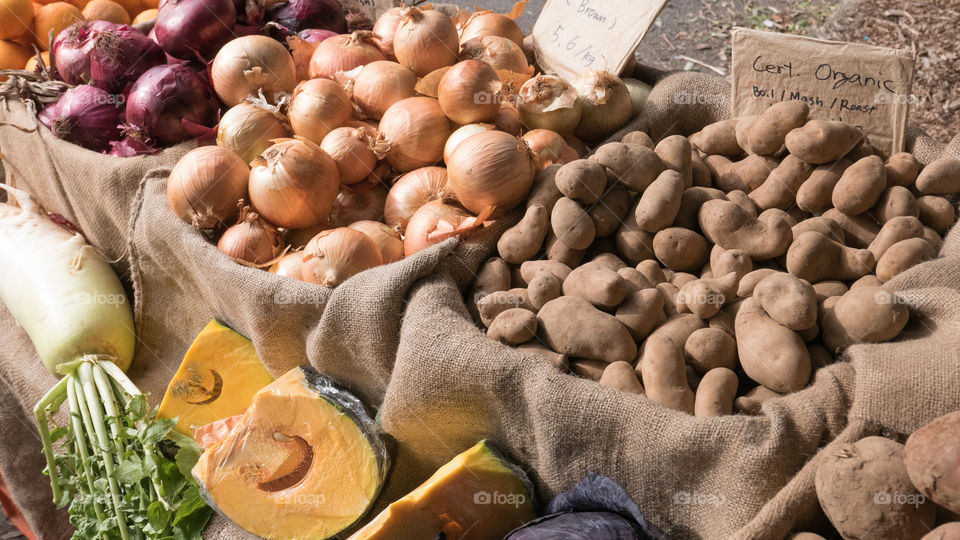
[351, 151]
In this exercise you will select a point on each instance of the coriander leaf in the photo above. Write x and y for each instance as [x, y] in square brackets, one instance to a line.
[130, 470]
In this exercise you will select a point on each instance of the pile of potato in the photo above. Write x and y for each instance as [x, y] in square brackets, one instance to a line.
[715, 272]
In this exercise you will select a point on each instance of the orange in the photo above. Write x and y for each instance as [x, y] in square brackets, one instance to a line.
[106, 10]
[16, 18]
[132, 6]
[150, 4]
[145, 15]
[36, 8]
[13, 55]
[32, 62]
[57, 17]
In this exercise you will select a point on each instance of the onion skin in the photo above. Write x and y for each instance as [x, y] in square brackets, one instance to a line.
[607, 106]
[130, 147]
[386, 27]
[186, 29]
[105, 55]
[413, 190]
[639, 92]
[425, 41]
[503, 55]
[253, 240]
[380, 84]
[470, 92]
[336, 255]
[460, 134]
[344, 53]
[294, 184]
[435, 222]
[549, 147]
[416, 130]
[386, 238]
[247, 129]
[488, 23]
[249, 65]
[549, 102]
[289, 265]
[206, 185]
[351, 151]
[318, 107]
[299, 15]
[166, 96]
[508, 119]
[85, 115]
[491, 170]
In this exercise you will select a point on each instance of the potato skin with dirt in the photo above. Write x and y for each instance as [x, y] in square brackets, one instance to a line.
[513, 326]
[853, 485]
[572, 326]
[933, 461]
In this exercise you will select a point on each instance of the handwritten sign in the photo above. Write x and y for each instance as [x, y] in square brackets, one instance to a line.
[859, 84]
[574, 36]
[371, 8]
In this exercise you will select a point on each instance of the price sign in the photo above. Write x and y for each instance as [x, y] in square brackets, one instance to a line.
[574, 36]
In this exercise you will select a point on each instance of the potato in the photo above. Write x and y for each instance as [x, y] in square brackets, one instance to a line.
[780, 188]
[609, 213]
[641, 312]
[769, 130]
[903, 256]
[635, 278]
[513, 326]
[523, 241]
[572, 225]
[895, 201]
[942, 177]
[822, 141]
[660, 202]
[715, 393]
[493, 276]
[742, 130]
[681, 249]
[902, 169]
[634, 166]
[725, 321]
[788, 300]
[598, 285]
[770, 353]
[947, 531]
[868, 280]
[858, 231]
[820, 356]
[860, 186]
[559, 361]
[608, 260]
[933, 238]
[822, 225]
[933, 460]
[726, 224]
[492, 305]
[745, 202]
[805, 536]
[688, 216]
[826, 289]
[893, 231]
[936, 212]
[572, 326]
[749, 282]
[682, 278]
[718, 138]
[679, 327]
[530, 269]
[544, 288]
[865, 491]
[744, 175]
[706, 296]
[582, 180]
[752, 401]
[710, 348]
[674, 152]
[814, 257]
[633, 243]
[562, 253]
[664, 375]
[702, 176]
[621, 376]
[724, 261]
[639, 138]
[588, 369]
[816, 194]
[863, 315]
[652, 271]
[544, 191]
[668, 292]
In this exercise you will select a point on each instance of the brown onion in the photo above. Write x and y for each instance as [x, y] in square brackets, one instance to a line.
[385, 28]
[360, 202]
[425, 40]
[508, 119]
[435, 222]
[351, 150]
[430, 85]
[386, 238]
[502, 54]
[549, 147]
[492, 170]
[607, 106]
[318, 107]
[249, 65]
[289, 265]
[487, 23]
[460, 134]
[247, 129]
[344, 53]
[549, 102]
[639, 91]
[381, 84]
[416, 130]
[294, 184]
[413, 190]
[205, 186]
[253, 240]
[302, 51]
[470, 92]
[335, 255]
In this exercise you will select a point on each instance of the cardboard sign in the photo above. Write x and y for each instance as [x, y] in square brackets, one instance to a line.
[859, 84]
[573, 36]
[373, 9]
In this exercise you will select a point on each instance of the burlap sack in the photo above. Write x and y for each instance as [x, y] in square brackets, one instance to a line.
[729, 477]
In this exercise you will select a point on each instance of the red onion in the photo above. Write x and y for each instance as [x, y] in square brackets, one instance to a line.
[85, 115]
[103, 54]
[130, 147]
[316, 35]
[169, 102]
[297, 15]
[190, 28]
